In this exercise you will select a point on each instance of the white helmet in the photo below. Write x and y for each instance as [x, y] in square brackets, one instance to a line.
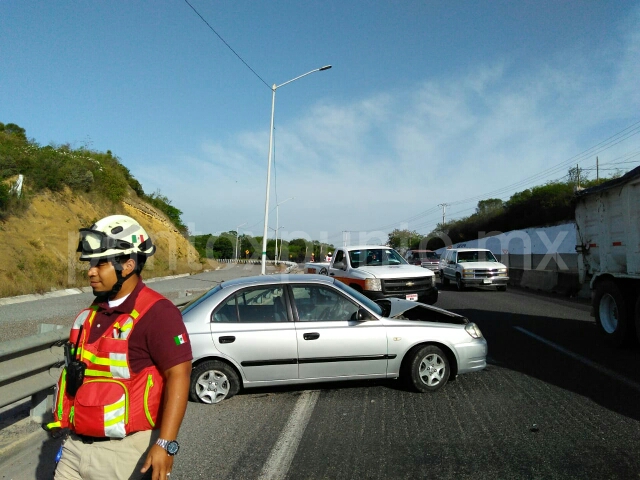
[114, 236]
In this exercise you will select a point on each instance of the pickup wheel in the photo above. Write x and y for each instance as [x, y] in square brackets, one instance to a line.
[459, 283]
[445, 281]
[611, 313]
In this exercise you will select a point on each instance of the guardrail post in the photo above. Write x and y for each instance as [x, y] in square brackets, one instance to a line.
[41, 404]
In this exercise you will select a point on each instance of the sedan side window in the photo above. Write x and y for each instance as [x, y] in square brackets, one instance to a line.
[253, 305]
[316, 303]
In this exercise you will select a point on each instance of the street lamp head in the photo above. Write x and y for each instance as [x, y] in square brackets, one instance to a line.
[266, 203]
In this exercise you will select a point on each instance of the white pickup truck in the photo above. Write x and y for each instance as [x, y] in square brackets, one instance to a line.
[379, 272]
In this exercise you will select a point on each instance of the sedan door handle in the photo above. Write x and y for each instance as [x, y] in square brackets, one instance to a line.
[311, 336]
[227, 339]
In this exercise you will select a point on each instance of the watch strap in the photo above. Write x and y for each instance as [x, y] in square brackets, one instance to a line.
[165, 444]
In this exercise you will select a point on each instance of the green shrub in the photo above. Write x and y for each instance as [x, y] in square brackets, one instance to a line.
[5, 195]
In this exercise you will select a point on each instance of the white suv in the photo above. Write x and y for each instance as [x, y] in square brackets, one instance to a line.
[472, 266]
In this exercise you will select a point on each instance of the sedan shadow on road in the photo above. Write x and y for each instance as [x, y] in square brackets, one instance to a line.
[392, 384]
[570, 354]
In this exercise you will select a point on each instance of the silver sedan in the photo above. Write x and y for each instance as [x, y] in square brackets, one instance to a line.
[297, 329]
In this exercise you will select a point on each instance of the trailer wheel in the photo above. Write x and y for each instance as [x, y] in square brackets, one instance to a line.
[611, 313]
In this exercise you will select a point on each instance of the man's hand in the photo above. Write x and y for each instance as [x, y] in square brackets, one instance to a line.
[160, 461]
[176, 393]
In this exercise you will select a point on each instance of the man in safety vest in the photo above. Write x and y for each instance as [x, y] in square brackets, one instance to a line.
[124, 389]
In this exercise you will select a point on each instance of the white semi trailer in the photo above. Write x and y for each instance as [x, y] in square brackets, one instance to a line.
[608, 236]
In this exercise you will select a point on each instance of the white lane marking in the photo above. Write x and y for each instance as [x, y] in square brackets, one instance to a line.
[622, 379]
[278, 463]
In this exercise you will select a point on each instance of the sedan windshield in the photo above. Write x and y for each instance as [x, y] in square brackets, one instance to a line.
[198, 300]
[370, 304]
[375, 257]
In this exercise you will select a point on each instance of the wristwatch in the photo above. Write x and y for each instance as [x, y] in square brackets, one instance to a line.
[171, 446]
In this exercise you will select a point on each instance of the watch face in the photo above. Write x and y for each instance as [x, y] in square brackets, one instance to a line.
[173, 447]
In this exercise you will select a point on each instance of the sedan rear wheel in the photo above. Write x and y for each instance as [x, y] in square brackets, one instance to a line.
[213, 381]
[428, 369]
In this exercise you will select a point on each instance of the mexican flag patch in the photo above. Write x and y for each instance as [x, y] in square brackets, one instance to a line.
[179, 339]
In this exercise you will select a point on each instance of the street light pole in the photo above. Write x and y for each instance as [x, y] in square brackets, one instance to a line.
[278, 226]
[238, 235]
[266, 203]
[275, 255]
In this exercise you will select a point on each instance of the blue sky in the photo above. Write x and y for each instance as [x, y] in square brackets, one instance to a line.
[427, 102]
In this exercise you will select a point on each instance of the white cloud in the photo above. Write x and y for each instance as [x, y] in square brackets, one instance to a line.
[388, 156]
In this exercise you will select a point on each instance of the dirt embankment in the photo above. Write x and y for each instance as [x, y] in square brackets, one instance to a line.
[38, 247]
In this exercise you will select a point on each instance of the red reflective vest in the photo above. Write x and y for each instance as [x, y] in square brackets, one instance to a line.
[113, 401]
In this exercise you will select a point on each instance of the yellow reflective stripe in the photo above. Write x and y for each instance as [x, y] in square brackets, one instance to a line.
[125, 327]
[63, 387]
[103, 361]
[126, 395]
[54, 425]
[72, 414]
[97, 373]
[146, 400]
[109, 423]
[134, 314]
[115, 406]
[93, 314]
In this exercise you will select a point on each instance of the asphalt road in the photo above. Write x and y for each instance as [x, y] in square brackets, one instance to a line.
[554, 402]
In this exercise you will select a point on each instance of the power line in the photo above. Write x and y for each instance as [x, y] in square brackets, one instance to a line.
[609, 142]
[228, 46]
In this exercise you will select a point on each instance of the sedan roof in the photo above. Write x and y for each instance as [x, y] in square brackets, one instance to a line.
[279, 278]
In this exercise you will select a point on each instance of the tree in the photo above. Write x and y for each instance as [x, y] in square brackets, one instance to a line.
[223, 247]
[13, 129]
[577, 176]
[404, 239]
[491, 205]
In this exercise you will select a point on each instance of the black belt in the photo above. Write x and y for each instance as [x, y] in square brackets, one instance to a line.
[89, 440]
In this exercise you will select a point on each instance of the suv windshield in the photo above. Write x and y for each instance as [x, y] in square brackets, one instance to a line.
[476, 256]
[375, 257]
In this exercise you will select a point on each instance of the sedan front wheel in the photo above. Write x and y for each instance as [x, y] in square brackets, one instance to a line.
[428, 369]
[213, 381]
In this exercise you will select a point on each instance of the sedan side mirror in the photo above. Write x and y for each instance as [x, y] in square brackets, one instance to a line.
[362, 315]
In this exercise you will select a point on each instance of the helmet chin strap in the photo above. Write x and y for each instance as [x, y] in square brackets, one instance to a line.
[120, 279]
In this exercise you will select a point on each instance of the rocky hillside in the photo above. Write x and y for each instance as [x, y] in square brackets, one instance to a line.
[38, 246]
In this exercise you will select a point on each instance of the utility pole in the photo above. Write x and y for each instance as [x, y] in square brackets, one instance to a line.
[578, 174]
[444, 210]
[597, 171]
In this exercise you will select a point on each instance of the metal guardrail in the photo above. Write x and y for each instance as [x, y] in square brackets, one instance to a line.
[30, 367]
[256, 261]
